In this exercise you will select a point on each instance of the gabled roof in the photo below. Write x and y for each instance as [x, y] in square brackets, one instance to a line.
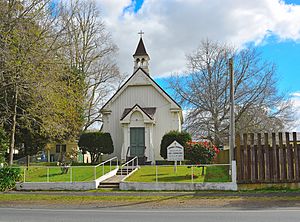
[152, 81]
[149, 111]
[140, 50]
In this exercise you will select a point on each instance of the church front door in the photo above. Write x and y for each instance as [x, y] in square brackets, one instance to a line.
[137, 141]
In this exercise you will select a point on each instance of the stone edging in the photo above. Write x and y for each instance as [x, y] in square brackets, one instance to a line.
[164, 186]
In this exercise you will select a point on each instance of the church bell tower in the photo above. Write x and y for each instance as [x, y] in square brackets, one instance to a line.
[141, 57]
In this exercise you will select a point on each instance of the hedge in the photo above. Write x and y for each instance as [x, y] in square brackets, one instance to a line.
[170, 137]
[9, 177]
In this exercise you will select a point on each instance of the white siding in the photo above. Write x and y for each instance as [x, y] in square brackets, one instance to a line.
[145, 96]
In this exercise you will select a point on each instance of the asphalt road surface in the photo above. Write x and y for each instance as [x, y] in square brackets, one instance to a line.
[148, 215]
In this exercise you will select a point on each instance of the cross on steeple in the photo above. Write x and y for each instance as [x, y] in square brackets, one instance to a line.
[141, 58]
[141, 33]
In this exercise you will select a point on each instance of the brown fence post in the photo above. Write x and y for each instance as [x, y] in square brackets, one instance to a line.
[261, 162]
[282, 158]
[267, 155]
[290, 162]
[238, 158]
[253, 160]
[296, 155]
[275, 159]
[246, 162]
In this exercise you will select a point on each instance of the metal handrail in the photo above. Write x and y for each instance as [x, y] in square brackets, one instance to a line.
[128, 162]
[109, 160]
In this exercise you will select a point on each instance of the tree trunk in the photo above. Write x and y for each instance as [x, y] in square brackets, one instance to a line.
[216, 132]
[13, 128]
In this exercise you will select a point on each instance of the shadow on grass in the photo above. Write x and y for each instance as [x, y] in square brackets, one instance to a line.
[52, 175]
[145, 202]
[181, 179]
[153, 175]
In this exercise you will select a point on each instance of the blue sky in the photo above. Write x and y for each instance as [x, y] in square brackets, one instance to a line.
[138, 4]
[286, 57]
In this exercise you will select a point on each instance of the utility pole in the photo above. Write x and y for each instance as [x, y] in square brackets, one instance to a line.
[232, 117]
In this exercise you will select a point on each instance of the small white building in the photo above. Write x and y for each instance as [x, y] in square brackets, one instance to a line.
[140, 113]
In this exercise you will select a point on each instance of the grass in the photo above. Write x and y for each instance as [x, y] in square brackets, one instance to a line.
[66, 199]
[78, 174]
[183, 174]
[61, 199]
[54, 164]
[276, 188]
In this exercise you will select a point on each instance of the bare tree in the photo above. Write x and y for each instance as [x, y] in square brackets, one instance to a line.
[90, 50]
[258, 119]
[205, 92]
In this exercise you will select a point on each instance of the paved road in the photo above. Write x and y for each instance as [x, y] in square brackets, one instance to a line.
[148, 215]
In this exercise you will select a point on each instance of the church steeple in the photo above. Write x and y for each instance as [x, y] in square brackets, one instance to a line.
[141, 57]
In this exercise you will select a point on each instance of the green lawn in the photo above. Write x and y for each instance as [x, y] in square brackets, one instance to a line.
[79, 173]
[183, 174]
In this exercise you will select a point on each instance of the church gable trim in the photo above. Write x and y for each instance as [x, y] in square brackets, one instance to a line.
[122, 88]
[133, 109]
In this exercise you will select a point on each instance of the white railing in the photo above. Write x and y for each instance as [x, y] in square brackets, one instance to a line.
[192, 176]
[67, 173]
[103, 164]
[134, 163]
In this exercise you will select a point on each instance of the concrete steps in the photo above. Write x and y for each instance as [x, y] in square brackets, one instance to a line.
[109, 185]
[114, 182]
[124, 171]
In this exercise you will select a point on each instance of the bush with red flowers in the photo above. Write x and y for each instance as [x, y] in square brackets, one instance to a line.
[201, 152]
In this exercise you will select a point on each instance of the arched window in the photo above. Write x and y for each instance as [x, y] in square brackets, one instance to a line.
[138, 62]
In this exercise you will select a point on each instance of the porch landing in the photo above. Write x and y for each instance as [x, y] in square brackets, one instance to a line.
[114, 181]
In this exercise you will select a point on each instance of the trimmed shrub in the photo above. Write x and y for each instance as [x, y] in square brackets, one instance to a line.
[96, 143]
[9, 177]
[170, 137]
[108, 146]
[200, 152]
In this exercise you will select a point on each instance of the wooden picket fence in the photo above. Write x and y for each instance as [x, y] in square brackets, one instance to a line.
[264, 158]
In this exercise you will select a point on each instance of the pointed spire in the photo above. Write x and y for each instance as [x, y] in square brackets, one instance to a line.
[140, 50]
[141, 57]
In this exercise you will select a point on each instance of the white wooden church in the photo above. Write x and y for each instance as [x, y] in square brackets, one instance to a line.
[140, 113]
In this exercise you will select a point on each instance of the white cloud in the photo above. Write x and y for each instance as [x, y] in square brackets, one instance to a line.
[296, 94]
[296, 103]
[174, 28]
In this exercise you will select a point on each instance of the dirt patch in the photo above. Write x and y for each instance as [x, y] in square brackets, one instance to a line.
[153, 204]
[147, 200]
[163, 203]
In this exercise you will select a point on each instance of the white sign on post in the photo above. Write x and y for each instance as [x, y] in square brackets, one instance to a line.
[175, 152]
